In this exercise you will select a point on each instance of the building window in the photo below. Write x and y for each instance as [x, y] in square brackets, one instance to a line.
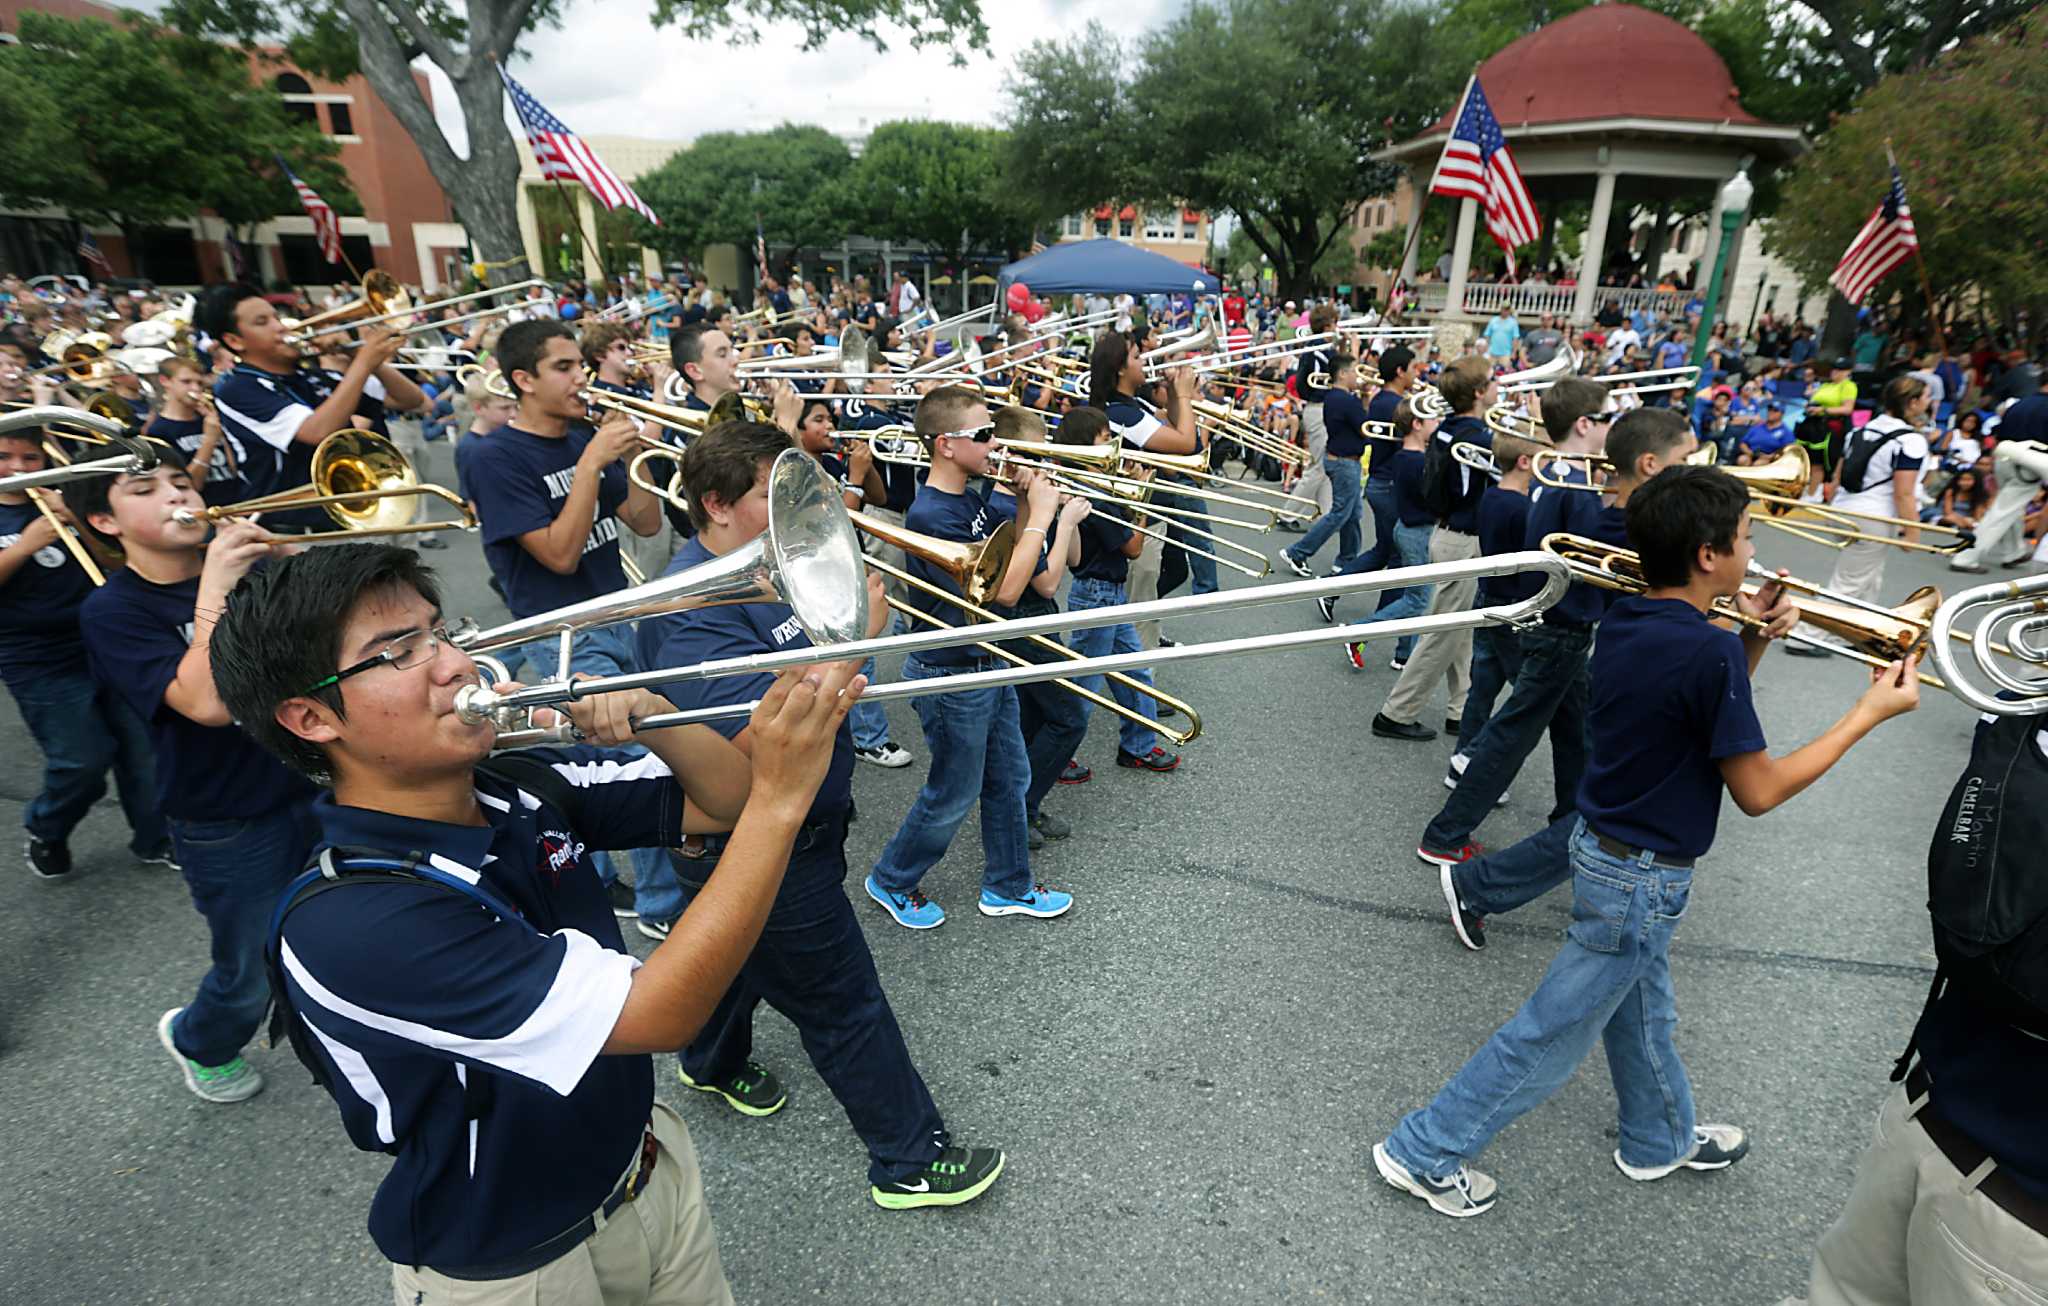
[1102, 227]
[297, 94]
[339, 120]
[1160, 226]
[1071, 224]
[1190, 230]
[1123, 228]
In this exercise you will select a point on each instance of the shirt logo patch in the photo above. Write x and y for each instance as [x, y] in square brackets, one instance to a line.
[558, 852]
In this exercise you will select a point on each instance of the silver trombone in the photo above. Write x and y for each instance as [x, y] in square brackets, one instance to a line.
[2016, 609]
[140, 455]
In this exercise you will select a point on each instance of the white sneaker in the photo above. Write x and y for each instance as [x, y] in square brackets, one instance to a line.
[237, 1081]
[889, 755]
[1466, 1193]
[1715, 1147]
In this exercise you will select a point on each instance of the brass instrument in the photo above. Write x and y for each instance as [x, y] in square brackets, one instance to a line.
[2017, 608]
[1545, 462]
[1777, 486]
[365, 484]
[140, 455]
[384, 300]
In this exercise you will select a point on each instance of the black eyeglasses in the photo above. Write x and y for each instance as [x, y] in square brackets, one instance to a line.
[405, 652]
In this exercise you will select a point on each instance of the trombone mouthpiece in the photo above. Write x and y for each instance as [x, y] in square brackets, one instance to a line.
[185, 517]
[476, 704]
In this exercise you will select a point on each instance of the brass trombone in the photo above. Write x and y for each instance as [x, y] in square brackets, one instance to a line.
[365, 484]
[385, 300]
[1777, 486]
[1543, 466]
[2019, 609]
[138, 458]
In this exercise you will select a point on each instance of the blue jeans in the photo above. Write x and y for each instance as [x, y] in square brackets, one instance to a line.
[1612, 981]
[1342, 520]
[1053, 720]
[83, 730]
[870, 721]
[977, 751]
[235, 870]
[812, 964]
[1095, 642]
[1496, 661]
[1412, 546]
[1550, 693]
[1201, 569]
[608, 651]
[1385, 552]
[1502, 879]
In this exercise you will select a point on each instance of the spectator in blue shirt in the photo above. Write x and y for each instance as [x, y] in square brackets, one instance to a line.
[500, 1056]
[1503, 335]
[1672, 728]
[1766, 440]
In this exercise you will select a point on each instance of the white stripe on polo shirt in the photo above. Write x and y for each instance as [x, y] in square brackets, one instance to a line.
[278, 432]
[361, 1078]
[585, 775]
[556, 1042]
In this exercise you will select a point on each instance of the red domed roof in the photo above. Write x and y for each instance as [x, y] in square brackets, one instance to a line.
[1608, 61]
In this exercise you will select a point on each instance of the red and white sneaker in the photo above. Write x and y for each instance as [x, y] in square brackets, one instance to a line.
[1458, 856]
[1355, 655]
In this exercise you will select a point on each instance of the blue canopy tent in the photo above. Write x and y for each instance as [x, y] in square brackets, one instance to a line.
[1108, 266]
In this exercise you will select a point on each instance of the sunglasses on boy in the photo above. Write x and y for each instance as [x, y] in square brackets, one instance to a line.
[974, 434]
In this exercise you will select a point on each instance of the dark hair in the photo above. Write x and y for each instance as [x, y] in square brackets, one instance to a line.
[521, 345]
[687, 345]
[1082, 425]
[1340, 361]
[92, 494]
[281, 632]
[598, 337]
[1393, 360]
[726, 461]
[215, 313]
[1644, 431]
[1462, 381]
[815, 401]
[1678, 511]
[1566, 401]
[1105, 365]
[940, 411]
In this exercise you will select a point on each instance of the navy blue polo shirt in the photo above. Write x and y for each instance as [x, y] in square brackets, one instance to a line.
[1407, 474]
[732, 630]
[1315, 360]
[1380, 408]
[136, 634]
[518, 482]
[1103, 537]
[224, 480]
[1575, 512]
[1468, 486]
[1344, 419]
[1504, 528]
[1670, 699]
[411, 989]
[263, 412]
[1133, 422]
[899, 479]
[39, 604]
[966, 518]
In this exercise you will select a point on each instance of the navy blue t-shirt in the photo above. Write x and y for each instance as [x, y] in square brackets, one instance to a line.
[518, 482]
[1315, 360]
[263, 411]
[1467, 485]
[1344, 419]
[899, 479]
[1104, 532]
[1574, 512]
[965, 518]
[1407, 474]
[39, 603]
[1504, 528]
[1987, 1076]
[1380, 408]
[224, 481]
[1670, 700]
[731, 630]
[136, 634]
[413, 989]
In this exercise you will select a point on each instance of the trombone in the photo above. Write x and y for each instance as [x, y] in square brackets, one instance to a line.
[1777, 485]
[1543, 466]
[1649, 381]
[2019, 608]
[139, 456]
[365, 484]
[384, 300]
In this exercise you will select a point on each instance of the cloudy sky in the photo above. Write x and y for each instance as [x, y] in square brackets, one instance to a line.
[609, 71]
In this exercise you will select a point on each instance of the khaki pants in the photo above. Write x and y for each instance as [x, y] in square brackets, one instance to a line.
[1445, 653]
[1315, 482]
[657, 1250]
[1141, 585]
[1916, 1232]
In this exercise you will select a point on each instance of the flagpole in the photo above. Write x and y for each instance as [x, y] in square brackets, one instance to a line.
[1422, 197]
[589, 243]
[1926, 286]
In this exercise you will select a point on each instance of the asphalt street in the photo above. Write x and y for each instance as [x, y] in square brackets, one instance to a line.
[1188, 1071]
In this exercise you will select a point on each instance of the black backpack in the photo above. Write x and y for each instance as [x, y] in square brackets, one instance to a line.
[1440, 485]
[1861, 449]
[1987, 879]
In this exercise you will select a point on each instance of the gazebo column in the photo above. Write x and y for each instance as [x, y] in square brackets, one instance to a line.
[1593, 257]
[1461, 257]
[1416, 200]
[1547, 245]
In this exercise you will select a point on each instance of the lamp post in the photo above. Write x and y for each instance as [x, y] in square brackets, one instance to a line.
[1736, 193]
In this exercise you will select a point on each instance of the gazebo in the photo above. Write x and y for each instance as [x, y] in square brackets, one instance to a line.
[1613, 102]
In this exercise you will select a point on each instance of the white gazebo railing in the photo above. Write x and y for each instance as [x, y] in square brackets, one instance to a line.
[1485, 298]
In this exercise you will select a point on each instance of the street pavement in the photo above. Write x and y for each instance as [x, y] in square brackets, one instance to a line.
[1188, 1071]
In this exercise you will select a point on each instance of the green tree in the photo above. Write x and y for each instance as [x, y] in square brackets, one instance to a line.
[713, 191]
[1966, 131]
[104, 121]
[938, 182]
[382, 38]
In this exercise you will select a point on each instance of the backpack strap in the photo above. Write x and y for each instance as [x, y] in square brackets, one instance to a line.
[535, 776]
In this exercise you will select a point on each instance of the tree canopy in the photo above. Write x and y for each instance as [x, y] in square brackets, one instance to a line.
[713, 191]
[1966, 132]
[938, 182]
[136, 124]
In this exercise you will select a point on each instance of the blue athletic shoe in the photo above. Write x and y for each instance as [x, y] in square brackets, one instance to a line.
[1041, 902]
[913, 911]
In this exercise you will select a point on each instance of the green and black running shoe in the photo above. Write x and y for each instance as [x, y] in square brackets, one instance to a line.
[961, 1174]
[752, 1090]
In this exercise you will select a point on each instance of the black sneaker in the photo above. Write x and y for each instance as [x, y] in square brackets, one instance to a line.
[49, 861]
[1296, 565]
[1387, 728]
[1715, 1147]
[656, 930]
[161, 855]
[961, 1174]
[1467, 1192]
[1075, 774]
[622, 899]
[1328, 607]
[753, 1090]
[1470, 925]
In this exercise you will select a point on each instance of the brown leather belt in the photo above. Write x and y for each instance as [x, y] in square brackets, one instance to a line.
[1965, 1154]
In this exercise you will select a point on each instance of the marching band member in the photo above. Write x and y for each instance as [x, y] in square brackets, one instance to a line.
[240, 824]
[1672, 727]
[1315, 482]
[1342, 419]
[1116, 371]
[811, 962]
[1399, 370]
[189, 421]
[976, 743]
[83, 728]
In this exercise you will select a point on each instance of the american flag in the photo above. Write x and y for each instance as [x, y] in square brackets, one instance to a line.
[1882, 245]
[1477, 165]
[89, 250]
[565, 156]
[326, 225]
